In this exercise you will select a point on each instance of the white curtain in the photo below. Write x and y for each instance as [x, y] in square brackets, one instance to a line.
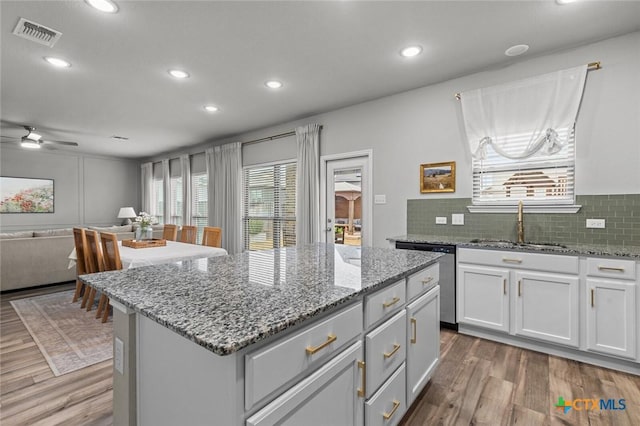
[308, 184]
[520, 118]
[166, 190]
[185, 170]
[147, 186]
[224, 171]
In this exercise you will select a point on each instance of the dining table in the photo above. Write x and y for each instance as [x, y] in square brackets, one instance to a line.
[174, 251]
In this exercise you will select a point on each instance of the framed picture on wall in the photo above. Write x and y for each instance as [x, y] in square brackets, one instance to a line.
[438, 177]
[26, 195]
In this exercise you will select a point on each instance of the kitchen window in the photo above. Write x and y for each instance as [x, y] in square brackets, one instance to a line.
[199, 200]
[157, 200]
[269, 211]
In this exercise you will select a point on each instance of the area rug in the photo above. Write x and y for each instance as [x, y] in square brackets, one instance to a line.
[70, 338]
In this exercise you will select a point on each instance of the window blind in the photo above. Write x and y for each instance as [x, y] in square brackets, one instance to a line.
[176, 200]
[199, 197]
[538, 180]
[269, 207]
[157, 201]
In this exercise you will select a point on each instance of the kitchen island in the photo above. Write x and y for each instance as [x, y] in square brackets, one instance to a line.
[265, 337]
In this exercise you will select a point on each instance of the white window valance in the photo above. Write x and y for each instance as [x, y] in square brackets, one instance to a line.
[533, 109]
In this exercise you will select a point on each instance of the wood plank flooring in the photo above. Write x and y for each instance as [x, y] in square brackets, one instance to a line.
[478, 382]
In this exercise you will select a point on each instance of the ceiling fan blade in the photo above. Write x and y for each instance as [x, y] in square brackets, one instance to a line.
[8, 137]
[59, 143]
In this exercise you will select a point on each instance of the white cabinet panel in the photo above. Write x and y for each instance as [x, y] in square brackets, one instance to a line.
[423, 341]
[547, 307]
[384, 302]
[388, 405]
[422, 281]
[518, 259]
[611, 268]
[327, 397]
[483, 297]
[385, 350]
[611, 317]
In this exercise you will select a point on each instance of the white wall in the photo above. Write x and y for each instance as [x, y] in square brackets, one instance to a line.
[88, 190]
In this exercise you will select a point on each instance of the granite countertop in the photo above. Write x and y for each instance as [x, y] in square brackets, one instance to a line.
[631, 252]
[226, 303]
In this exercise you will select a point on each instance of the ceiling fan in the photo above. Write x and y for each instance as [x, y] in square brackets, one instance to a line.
[33, 140]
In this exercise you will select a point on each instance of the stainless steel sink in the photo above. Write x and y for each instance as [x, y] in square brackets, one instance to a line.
[503, 243]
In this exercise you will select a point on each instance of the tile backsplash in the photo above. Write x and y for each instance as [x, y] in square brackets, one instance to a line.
[621, 214]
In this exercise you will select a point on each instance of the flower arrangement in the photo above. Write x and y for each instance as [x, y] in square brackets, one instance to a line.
[145, 219]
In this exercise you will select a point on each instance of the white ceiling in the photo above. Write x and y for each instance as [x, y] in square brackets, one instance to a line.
[328, 54]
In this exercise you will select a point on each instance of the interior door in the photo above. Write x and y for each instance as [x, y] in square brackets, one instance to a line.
[347, 201]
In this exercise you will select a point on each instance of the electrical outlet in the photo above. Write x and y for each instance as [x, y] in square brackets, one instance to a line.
[457, 219]
[441, 220]
[380, 199]
[595, 223]
[118, 360]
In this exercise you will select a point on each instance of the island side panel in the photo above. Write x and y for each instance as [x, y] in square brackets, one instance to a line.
[180, 382]
[124, 383]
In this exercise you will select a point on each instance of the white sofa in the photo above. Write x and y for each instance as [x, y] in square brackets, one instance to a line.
[35, 258]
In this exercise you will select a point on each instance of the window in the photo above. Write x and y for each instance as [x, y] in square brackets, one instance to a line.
[157, 201]
[538, 180]
[199, 200]
[269, 219]
[176, 200]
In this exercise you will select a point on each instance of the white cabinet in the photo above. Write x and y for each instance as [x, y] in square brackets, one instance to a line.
[327, 397]
[385, 350]
[483, 297]
[611, 317]
[387, 406]
[547, 307]
[423, 341]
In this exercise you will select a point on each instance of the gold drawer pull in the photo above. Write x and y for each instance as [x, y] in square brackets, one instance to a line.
[396, 347]
[504, 286]
[330, 339]
[393, 302]
[427, 281]
[610, 268]
[593, 297]
[511, 260]
[414, 332]
[519, 287]
[396, 405]
[363, 389]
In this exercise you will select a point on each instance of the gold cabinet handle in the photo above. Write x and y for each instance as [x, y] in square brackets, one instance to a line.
[519, 287]
[504, 286]
[414, 332]
[396, 405]
[363, 390]
[393, 302]
[330, 339]
[593, 298]
[610, 268]
[511, 260]
[396, 347]
[427, 280]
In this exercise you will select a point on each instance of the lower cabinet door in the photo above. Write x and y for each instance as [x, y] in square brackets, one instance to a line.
[423, 341]
[483, 297]
[386, 407]
[329, 396]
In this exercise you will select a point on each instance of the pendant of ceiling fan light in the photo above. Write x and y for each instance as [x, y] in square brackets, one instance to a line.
[29, 143]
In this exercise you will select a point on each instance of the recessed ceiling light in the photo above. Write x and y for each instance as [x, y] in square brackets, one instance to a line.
[211, 108]
[179, 74]
[411, 51]
[273, 84]
[57, 62]
[565, 1]
[516, 50]
[103, 5]
[29, 144]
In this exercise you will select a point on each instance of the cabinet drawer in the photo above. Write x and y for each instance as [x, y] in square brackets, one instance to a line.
[383, 303]
[385, 350]
[517, 259]
[422, 281]
[388, 405]
[271, 367]
[611, 268]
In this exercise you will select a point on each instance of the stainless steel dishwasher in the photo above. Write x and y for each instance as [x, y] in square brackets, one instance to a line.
[447, 279]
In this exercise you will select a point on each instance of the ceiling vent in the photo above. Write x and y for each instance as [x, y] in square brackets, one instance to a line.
[36, 32]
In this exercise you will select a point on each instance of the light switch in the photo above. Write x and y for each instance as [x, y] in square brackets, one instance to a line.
[457, 219]
[380, 199]
[595, 223]
[441, 220]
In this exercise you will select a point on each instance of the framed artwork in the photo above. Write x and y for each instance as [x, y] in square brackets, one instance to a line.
[26, 195]
[438, 177]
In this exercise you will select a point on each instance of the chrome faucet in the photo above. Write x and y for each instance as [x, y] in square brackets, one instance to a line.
[520, 222]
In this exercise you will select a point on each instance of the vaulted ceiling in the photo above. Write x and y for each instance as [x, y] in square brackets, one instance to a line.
[327, 54]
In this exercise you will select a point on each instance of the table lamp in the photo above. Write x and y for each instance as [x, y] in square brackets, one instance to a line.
[126, 213]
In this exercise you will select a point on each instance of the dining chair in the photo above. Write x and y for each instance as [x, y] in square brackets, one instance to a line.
[212, 236]
[80, 240]
[112, 262]
[188, 234]
[96, 262]
[170, 232]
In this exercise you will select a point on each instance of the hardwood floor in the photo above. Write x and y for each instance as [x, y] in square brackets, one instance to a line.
[478, 382]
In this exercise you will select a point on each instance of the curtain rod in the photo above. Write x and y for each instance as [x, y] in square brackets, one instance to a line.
[591, 66]
[270, 138]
